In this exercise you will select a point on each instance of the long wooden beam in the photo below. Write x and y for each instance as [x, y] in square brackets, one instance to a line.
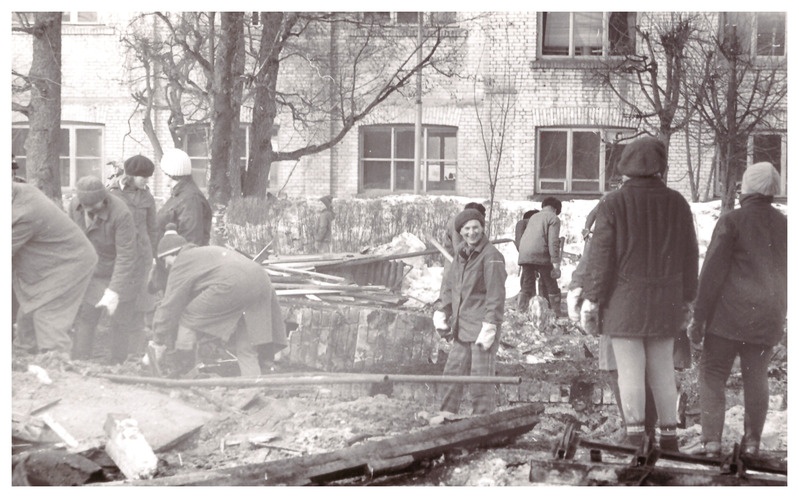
[269, 380]
[370, 459]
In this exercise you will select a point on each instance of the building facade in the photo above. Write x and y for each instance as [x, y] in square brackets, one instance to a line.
[526, 111]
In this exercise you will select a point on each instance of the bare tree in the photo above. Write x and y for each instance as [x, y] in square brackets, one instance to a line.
[650, 82]
[497, 112]
[736, 95]
[43, 109]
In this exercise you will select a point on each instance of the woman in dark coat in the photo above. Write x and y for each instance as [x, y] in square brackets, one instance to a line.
[642, 271]
[741, 305]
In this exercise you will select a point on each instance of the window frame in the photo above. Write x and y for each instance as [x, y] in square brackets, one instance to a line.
[72, 129]
[74, 14]
[608, 135]
[783, 166]
[393, 160]
[751, 18]
[606, 45]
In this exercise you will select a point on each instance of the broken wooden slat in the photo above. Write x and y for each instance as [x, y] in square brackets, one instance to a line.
[59, 430]
[387, 455]
[441, 249]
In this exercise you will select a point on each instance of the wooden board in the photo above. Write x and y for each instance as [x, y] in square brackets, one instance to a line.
[87, 401]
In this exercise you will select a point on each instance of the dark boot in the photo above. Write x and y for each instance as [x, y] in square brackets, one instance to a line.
[668, 438]
[523, 303]
[554, 304]
[179, 362]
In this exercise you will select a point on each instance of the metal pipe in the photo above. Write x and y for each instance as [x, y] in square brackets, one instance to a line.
[268, 380]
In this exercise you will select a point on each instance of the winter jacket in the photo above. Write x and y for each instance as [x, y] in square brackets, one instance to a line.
[519, 231]
[210, 288]
[540, 243]
[141, 204]
[474, 289]
[49, 253]
[114, 237]
[642, 267]
[324, 228]
[189, 210]
[743, 287]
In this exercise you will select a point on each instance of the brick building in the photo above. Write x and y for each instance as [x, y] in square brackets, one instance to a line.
[563, 130]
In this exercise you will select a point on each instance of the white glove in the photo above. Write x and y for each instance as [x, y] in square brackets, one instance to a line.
[486, 337]
[110, 301]
[574, 299]
[440, 320]
[589, 317]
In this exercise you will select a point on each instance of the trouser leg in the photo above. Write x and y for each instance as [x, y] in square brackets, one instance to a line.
[550, 290]
[718, 355]
[527, 284]
[246, 353]
[754, 373]
[122, 329]
[458, 363]
[660, 378]
[85, 326]
[631, 363]
[483, 365]
[26, 334]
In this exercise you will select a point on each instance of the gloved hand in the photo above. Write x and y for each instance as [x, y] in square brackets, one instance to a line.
[696, 331]
[110, 301]
[486, 337]
[574, 299]
[440, 321]
[586, 233]
[555, 273]
[589, 317]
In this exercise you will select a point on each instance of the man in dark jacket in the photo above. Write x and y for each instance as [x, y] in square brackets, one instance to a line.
[131, 187]
[216, 291]
[642, 271]
[539, 253]
[108, 224]
[472, 299]
[52, 263]
[741, 305]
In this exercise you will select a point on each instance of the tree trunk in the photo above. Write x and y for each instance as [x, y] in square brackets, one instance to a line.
[224, 108]
[235, 168]
[42, 145]
[265, 107]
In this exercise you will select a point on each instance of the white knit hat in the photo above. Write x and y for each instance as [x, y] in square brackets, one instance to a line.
[175, 162]
[760, 178]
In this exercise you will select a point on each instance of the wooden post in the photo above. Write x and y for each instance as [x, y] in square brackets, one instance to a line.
[127, 447]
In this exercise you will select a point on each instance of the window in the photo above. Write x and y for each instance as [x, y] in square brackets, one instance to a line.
[79, 17]
[387, 158]
[580, 160]
[758, 33]
[197, 144]
[80, 150]
[770, 147]
[409, 18]
[577, 34]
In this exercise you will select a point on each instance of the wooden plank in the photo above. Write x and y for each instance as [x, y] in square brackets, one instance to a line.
[576, 473]
[385, 454]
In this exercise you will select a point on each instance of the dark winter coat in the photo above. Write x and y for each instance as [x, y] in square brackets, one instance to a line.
[324, 227]
[540, 243]
[141, 204]
[210, 288]
[49, 253]
[114, 237]
[642, 267]
[189, 210]
[743, 288]
[474, 289]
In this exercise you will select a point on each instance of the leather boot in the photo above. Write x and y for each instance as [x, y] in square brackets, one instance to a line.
[668, 438]
[554, 304]
[523, 303]
[179, 362]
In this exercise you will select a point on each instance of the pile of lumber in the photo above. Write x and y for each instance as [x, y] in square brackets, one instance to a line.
[314, 277]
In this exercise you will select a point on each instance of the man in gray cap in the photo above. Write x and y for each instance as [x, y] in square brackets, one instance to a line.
[108, 224]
